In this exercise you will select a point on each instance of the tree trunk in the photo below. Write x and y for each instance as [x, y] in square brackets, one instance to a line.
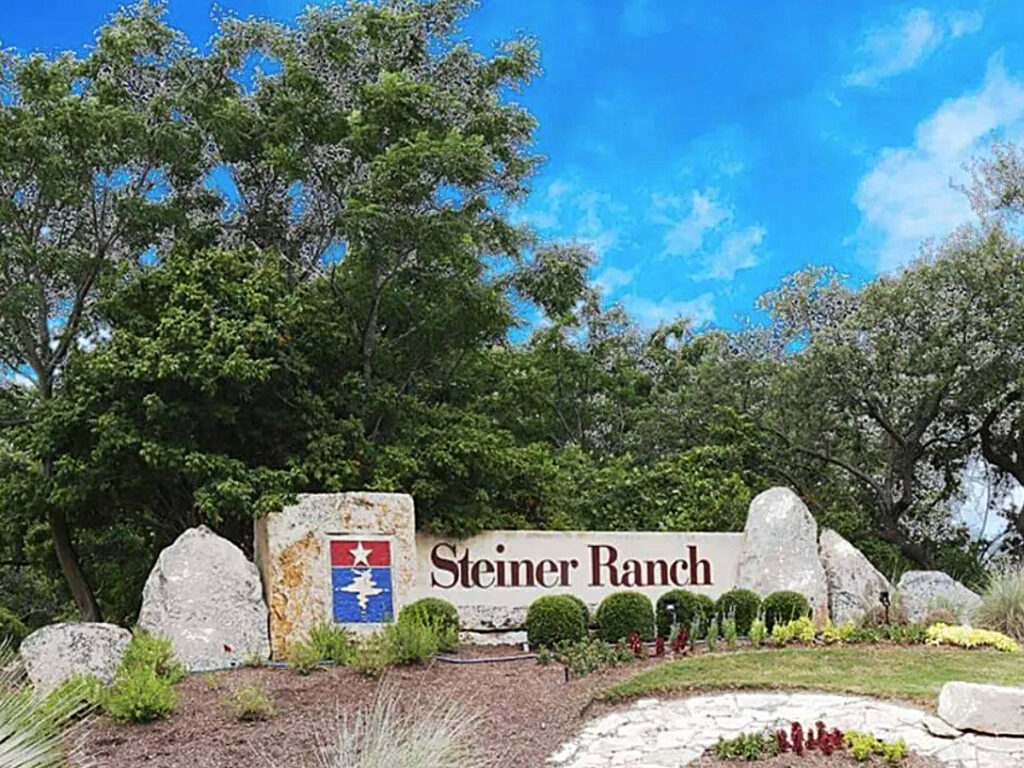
[81, 592]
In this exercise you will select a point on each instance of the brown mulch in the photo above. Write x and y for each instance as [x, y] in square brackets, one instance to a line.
[814, 760]
[525, 710]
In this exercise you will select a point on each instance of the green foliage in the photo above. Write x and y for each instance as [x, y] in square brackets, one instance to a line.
[251, 703]
[330, 642]
[148, 652]
[583, 609]
[623, 613]
[746, 746]
[305, 657]
[373, 655]
[729, 633]
[143, 688]
[140, 695]
[690, 607]
[844, 633]
[411, 641]
[799, 630]
[1002, 607]
[758, 631]
[12, 629]
[712, 634]
[33, 728]
[970, 637]
[555, 619]
[784, 606]
[865, 745]
[741, 605]
[586, 656]
[438, 614]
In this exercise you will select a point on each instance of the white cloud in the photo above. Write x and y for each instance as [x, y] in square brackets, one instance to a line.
[907, 196]
[702, 229]
[652, 313]
[737, 251]
[576, 213]
[891, 50]
[686, 236]
[613, 278]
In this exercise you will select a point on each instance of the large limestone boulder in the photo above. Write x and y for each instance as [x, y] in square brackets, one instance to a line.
[985, 708]
[780, 549]
[854, 584]
[207, 598]
[924, 591]
[58, 652]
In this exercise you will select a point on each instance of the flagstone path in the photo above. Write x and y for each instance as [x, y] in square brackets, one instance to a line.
[672, 733]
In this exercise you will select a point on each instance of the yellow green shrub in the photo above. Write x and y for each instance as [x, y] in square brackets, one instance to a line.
[970, 637]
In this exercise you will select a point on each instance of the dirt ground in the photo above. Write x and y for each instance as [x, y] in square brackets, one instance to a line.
[525, 711]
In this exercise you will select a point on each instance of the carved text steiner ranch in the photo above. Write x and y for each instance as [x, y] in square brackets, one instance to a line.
[604, 567]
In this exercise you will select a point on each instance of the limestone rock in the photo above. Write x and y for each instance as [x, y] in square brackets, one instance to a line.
[780, 549]
[854, 584]
[293, 550]
[939, 728]
[924, 591]
[58, 652]
[207, 598]
[991, 709]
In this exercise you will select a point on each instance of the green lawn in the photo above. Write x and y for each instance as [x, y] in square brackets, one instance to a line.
[915, 673]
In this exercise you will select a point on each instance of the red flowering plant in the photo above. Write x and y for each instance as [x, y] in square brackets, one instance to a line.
[819, 739]
[659, 647]
[680, 641]
[636, 644]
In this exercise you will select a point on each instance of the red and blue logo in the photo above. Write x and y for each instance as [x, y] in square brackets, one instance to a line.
[361, 581]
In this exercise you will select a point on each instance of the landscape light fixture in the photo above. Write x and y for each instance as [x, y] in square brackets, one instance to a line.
[883, 598]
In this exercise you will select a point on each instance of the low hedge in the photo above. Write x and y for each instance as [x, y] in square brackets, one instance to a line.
[689, 606]
[623, 613]
[554, 619]
[742, 605]
[583, 609]
[784, 606]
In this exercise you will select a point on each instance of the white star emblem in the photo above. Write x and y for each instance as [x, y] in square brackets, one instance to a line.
[360, 555]
[363, 588]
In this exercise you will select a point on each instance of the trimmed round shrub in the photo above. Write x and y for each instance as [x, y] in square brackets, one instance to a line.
[623, 613]
[439, 615]
[689, 606]
[554, 619]
[784, 606]
[742, 605]
[583, 609]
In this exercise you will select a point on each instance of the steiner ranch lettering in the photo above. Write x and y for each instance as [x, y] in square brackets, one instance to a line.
[604, 567]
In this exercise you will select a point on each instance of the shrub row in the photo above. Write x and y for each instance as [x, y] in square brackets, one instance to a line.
[564, 618]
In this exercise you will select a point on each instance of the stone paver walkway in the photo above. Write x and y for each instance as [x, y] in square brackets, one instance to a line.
[673, 733]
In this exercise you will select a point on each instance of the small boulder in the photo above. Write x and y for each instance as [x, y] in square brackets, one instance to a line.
[780, 549]
[207, 598]
[924, 591]
[993, 709]
[854, 584]
[58, 652]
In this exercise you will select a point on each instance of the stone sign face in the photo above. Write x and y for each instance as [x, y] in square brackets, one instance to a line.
[347, 558]
[492, 578]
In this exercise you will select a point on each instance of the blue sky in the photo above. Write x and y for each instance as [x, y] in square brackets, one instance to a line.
[706, 149]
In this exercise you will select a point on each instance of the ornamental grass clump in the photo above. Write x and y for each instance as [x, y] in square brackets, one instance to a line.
[143, 688]
[1002, 606]
[35, 731]
[970, 637]
[386, 734]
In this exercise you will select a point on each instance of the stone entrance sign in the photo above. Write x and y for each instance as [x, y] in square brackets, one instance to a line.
[347, 558]
[492, 578]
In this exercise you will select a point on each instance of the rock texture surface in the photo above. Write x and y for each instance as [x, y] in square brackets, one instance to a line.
[923, 591]
[55, 653]
[854, 584]
[780, 549]
[993, 709]
[675, 733]
[207, 598]
[292, 551]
